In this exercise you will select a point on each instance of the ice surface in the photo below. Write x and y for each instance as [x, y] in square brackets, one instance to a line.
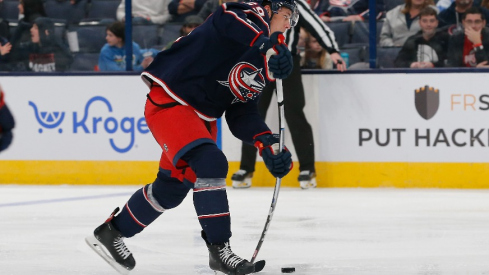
[321, 231]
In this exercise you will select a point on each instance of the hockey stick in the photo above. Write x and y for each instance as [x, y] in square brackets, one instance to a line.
[281, 123]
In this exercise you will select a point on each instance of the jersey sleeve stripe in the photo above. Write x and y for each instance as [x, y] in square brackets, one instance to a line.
[256, 30]
[254, 39]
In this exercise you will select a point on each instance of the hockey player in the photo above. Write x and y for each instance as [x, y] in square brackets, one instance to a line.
[7, 123]
[221, 66]
[295, 100]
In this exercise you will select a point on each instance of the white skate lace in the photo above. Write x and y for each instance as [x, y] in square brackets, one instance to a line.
[229, 257]
[121, 248]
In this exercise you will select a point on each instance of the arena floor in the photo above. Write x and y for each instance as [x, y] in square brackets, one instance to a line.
[322, 231]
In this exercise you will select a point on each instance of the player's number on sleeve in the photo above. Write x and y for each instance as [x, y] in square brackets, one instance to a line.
[259, 10]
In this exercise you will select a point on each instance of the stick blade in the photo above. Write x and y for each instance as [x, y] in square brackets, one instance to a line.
[259, 265]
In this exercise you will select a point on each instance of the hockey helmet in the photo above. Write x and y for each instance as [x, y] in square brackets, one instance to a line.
[277, 4]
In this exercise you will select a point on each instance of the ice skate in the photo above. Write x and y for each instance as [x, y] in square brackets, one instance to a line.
[223, 261]
[108, 242]
[242, 179]
[307, 179]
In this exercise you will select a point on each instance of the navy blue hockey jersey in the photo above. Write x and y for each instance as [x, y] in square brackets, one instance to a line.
[216, 69]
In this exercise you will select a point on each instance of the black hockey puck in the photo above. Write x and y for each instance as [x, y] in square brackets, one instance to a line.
[288, 269]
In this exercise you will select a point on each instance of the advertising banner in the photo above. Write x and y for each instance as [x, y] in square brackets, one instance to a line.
[79, 118]
[404, 117]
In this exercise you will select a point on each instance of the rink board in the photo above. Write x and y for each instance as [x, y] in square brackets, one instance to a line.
[91, 130]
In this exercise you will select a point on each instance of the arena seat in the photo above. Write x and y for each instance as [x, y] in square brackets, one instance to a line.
[360, 32]
[342, 31]
[386, 56]
[10, 10]
[103, 9]
[84, 62]
[91, 38]
[390, 4]
[73, 14]
[356, 54]
[146, 35]
[170, 33]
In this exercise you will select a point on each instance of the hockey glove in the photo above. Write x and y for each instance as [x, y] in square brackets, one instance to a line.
[281, 64]
[278, 163]
[264, 43]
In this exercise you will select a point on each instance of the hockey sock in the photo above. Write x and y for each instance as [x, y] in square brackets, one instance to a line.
[211, 205]
[148, 203]
[210, 199]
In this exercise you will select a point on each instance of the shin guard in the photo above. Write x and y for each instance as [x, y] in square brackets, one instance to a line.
[148, 203]
[211, 205]
[141, 210]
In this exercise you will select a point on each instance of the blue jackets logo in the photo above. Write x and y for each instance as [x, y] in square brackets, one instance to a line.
[85, 124]
[245, 81]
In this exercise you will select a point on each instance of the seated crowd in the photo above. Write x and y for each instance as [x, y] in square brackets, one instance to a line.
[49, 36]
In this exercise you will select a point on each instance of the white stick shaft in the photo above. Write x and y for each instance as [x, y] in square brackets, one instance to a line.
[278, 182]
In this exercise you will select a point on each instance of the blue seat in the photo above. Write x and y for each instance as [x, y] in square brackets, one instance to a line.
[360, 32]
[84, 62]
[357, 54]
[91, 38]
[341, 32]
[146, 35]
[170, 33]
[60, 29]
[386, 56]
[10, 10]
[103, 9]
[73, 14]
[390, 4]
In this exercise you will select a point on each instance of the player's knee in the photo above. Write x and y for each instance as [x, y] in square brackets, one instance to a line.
[168, 192]
[207, 161]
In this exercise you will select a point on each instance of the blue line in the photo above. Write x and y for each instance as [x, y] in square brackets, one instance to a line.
[22, 203]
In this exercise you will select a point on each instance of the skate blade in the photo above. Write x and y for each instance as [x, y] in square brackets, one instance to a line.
[308, 184]
[98, 248]
[240, 185]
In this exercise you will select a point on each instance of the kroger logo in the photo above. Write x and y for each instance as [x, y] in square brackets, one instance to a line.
[83, 123]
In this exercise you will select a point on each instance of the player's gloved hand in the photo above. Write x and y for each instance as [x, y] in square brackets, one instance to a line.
[278, 163]
[281, 64]
[264, 43]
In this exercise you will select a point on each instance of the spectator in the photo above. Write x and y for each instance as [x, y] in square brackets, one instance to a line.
[191, 22]
[43, 53]
[426, 49]
[471, 47]
[210, 6]
[146, 11]
[5, 45]
[316, 57]
[453, 14]
[7, 123]
[180, 9]
[113, 54]
[348, 10]
[402, 22]
[29, 10]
